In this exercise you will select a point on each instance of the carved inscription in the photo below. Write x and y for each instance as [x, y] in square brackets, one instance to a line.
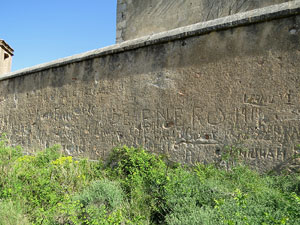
[188, 109]
[171, 130]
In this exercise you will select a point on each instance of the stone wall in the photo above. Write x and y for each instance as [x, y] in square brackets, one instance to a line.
[187, 94]
[137, 18]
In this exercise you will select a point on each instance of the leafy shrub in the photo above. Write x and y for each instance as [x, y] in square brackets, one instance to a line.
[11, 213]
[136, 187]
[102, 193]
[101, 202]
[143, 176]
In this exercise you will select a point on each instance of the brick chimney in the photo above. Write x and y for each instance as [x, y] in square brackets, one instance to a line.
[6, 53]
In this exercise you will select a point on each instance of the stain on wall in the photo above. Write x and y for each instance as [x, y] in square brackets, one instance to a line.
[187, 98]
[137, 18]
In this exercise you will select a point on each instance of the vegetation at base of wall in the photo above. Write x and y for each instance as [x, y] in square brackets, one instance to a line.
[136, 187]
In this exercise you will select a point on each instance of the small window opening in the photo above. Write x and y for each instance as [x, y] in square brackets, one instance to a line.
[6, 56]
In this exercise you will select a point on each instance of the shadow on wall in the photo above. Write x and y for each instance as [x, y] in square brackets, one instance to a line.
[197, 51]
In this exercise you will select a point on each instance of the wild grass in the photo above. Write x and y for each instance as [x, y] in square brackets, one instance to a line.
[136, 187]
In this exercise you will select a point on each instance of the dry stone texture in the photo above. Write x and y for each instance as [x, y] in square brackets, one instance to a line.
[137, 18]
[188, 98]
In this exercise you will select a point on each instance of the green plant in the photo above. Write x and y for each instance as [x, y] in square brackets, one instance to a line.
[11, 213]
[102, 192]
[100, 202]
[136, 187]
[142, 176]
[232, 155]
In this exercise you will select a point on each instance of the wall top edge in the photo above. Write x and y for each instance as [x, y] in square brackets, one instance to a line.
[6, 47]
[240, 19]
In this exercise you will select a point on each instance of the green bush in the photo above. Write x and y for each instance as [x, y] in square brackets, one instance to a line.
[102, 193]
[101, 201]
[136, 187]
[11, 213]
[142, 176]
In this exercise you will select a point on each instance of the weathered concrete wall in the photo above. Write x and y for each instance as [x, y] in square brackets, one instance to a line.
[186, 94]
[137, 18]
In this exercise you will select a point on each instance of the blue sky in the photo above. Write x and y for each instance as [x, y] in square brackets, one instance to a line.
[40, 31]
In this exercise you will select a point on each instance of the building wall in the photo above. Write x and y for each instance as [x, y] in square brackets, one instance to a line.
[137, 18]
[187, 96]
[5, 63]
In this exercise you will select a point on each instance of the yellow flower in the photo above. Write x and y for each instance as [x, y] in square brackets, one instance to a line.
[25, 158]
[62, 160]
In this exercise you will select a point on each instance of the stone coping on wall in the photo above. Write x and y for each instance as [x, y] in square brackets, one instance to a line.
[6, 47]
[240, 19]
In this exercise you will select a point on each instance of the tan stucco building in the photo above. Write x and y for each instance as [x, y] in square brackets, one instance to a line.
[6, 53]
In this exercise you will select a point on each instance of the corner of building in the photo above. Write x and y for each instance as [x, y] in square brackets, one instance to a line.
[6, 54]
